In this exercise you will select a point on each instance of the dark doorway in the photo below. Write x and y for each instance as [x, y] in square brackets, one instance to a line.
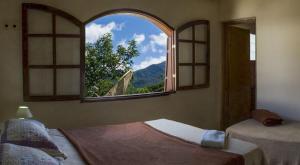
[239, 76]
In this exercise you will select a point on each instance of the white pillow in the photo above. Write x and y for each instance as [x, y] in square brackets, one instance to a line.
[30, 133]
[21, 155]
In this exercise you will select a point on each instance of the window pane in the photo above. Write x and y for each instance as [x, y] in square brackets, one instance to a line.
[68, 81]
[40, 51]
[201, 32]
[68, 51]
[39, 22]
[200, 75]
[64, 26]
[186, 34]
[41, 82]
[185, 52]
[185, 76]
[200, 53]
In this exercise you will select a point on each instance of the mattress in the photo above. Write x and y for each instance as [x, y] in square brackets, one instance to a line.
[249, 151]
[279, 144]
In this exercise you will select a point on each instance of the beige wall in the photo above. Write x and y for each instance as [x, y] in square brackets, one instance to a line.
[198, 107]
[278, 41]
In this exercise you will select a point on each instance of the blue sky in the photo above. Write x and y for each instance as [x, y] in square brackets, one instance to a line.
[124, 27]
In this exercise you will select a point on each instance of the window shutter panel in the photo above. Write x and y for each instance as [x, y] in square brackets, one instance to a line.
[170, 85]
[52, 51]
[193, 55]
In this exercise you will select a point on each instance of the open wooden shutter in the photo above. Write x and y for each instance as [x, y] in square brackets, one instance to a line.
[193, 55]
[170, 83]
[53, 44]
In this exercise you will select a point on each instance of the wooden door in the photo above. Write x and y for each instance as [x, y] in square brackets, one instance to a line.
[237, 75]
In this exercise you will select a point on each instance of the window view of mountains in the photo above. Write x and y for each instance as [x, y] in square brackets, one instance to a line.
[151, 77]
[147, 80]
[115, 47]
[108, 73]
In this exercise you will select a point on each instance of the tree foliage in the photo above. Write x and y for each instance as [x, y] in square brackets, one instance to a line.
[104, 65]
[147, 89]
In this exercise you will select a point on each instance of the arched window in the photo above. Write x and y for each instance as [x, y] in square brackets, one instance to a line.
[127, 54]
[119, 54]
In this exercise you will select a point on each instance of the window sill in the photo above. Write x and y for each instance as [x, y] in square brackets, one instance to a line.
[129, 97]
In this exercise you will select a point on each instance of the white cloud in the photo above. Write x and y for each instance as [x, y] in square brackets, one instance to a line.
[145, 48]
[120, 26]
[139, 38]
[123, 43]
[149, 61]
[93, 31]
[160, 39]
[155, 41]
[149, 47]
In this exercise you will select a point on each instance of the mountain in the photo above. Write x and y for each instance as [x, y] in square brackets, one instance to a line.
[151, 75]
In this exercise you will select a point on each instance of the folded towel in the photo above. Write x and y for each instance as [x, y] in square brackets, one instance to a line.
[266, 117]
[213, 139]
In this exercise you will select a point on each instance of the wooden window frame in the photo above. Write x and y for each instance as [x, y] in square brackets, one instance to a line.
[54, 35]
[169, 78]
[56, 12]
[193, 64]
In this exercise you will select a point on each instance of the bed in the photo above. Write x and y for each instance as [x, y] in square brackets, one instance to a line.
[250, 152]
[280, 144]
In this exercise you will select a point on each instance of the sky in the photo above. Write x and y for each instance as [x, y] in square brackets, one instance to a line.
[150, 39]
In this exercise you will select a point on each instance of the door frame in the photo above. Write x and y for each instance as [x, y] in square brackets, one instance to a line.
[225, 74]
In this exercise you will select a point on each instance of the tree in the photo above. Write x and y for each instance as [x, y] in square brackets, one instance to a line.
[159, 87]
[104, 66]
